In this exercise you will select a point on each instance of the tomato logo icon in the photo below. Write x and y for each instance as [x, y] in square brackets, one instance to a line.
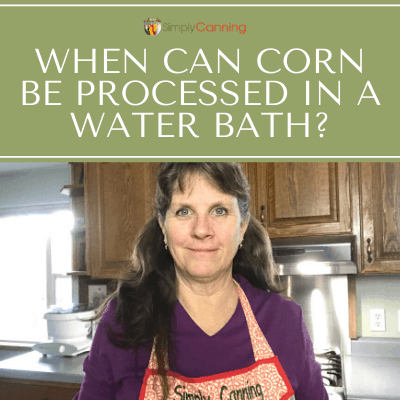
[152, 26]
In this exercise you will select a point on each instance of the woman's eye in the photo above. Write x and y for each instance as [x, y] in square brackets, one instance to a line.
[221, 211]
[182, 212]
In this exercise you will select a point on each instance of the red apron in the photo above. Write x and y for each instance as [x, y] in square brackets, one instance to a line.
[265, 379]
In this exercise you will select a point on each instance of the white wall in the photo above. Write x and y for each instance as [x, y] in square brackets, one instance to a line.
[32, 190]
[378, 291]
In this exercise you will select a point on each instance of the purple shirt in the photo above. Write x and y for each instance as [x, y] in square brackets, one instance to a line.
[112, 373]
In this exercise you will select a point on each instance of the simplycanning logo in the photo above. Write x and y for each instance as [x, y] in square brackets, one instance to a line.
[203, 27]
[152, 26]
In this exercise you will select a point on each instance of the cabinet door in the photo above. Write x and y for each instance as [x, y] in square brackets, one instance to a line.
[303, 199]
[380, 213]
[118, 202]
[12, 389]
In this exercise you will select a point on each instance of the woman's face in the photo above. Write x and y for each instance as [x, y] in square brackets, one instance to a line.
[203, 229]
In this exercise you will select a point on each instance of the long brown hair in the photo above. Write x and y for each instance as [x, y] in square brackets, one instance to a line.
[146, 290]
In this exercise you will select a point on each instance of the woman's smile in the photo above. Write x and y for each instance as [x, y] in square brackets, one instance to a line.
[203, 250]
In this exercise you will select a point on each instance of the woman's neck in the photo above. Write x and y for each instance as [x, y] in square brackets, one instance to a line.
[209, 303]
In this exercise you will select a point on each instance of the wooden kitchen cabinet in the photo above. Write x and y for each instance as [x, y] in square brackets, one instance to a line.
[19, 389]
[380, 217]
[118, 202]
[304, 199]
[290, 199]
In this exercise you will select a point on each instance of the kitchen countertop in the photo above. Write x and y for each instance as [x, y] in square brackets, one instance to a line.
[35, 366]
[372, 371]
[372, 378]
[367, 376]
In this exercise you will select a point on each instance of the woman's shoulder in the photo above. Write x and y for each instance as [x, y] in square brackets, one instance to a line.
[280, 320]
[109, 317]
[269, 304]
[110, 312]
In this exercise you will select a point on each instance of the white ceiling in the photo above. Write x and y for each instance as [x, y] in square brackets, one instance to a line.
[9, 167]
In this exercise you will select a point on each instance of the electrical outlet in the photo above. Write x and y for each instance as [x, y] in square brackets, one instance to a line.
[377, 320]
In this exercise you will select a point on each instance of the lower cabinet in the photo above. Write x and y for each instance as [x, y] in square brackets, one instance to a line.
[20, 389]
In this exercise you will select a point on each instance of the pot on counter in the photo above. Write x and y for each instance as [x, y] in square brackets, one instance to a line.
[69, 334]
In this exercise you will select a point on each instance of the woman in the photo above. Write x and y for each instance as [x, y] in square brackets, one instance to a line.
[198, 316]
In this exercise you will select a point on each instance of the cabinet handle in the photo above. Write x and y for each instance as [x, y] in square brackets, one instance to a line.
[262, 216]
[369, 250]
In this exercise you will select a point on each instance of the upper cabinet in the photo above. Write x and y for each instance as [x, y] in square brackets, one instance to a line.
[303, 199]
[380, 217]
[118, 202]
[290, 199]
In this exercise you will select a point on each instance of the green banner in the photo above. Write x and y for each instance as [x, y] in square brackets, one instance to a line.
[128, 82]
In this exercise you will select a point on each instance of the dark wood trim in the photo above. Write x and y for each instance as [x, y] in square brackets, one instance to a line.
[352, 294]
[41, 383]
[354, 175]
[23, 389]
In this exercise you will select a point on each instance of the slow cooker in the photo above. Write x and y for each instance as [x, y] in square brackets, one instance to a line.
[69, 334]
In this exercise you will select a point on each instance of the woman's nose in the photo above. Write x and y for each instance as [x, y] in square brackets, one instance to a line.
[202, 227]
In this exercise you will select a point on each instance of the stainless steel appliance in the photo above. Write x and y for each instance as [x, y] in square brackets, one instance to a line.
[315, 270]
[331, 362]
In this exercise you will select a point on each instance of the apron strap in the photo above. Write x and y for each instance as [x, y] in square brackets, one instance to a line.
[153, 360]
[261, 347]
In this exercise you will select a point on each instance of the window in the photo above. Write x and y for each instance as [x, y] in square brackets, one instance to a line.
[35, 254]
